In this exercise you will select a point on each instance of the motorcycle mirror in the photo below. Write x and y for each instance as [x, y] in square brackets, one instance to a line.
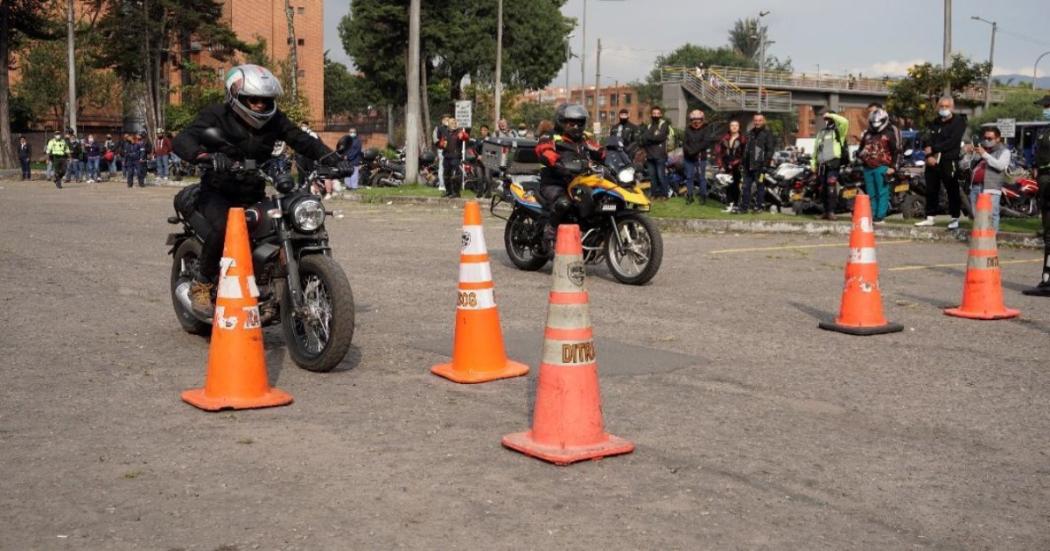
[908, 152]
[213, 138]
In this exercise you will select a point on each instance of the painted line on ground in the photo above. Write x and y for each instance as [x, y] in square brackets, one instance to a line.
[959, 265]
[794, 247]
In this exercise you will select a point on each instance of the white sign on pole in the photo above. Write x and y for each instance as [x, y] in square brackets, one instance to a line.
[1008, 127]
[464, 113]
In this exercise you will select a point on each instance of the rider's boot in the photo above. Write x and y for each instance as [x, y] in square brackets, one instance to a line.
[200, 298]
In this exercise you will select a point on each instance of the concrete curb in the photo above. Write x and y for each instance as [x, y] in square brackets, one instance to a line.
[743, 225]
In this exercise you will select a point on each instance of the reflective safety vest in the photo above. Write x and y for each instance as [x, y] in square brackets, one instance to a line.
[58, 146]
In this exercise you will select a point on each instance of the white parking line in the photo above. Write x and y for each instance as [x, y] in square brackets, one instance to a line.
[794, 247]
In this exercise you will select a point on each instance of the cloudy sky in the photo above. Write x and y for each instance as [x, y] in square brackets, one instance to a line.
[873, 37]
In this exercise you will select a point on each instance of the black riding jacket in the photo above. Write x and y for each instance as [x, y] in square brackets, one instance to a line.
[247, 143]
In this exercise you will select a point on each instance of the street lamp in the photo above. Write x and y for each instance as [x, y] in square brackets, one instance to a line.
[1036, 65]
[762, 56]
[991, 61]
[583, 58]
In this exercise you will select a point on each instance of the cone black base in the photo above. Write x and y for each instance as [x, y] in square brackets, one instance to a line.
[862, 331]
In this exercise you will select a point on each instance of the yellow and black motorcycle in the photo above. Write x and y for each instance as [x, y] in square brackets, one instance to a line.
[611, 212]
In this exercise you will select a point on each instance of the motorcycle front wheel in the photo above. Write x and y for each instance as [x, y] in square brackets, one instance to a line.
[642, 250]
[519, 237]
[319, 335]
[183, 269]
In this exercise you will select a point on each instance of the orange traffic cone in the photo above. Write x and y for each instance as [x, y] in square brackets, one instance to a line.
[861, 310]
[567, 421]
[983, 290]
[236, 377]
[477, 350]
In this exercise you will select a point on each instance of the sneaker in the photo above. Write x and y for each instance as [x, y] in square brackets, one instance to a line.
[954, 224]
[200, 298]
[927, 222]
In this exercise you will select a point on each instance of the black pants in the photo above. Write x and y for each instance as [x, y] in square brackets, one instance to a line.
[1044, 208]
[556, 198]
[828, 180]
[59, 165]
[733, 191]
[937, 176]
[215, 208]
[136, 168]
[25, 168]
[453, 177]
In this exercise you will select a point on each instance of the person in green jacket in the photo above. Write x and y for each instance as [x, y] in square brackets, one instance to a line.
[829, 154]
[58, 151]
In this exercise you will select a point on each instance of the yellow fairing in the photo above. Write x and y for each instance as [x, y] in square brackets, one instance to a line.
[630, 196]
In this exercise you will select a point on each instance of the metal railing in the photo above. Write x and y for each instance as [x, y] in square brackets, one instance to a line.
[722, 94]
[748, 78]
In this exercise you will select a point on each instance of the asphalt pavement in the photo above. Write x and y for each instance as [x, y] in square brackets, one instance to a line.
[754, 428]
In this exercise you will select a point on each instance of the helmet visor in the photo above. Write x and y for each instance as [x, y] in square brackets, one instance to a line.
[258, 104]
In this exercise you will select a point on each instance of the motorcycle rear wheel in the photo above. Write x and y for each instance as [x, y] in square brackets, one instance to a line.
[183, 267]
[320, 343]
[647, 245]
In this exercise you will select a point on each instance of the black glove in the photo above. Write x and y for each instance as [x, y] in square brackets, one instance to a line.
[219, 161]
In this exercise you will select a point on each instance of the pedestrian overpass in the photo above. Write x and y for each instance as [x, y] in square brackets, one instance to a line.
[735, 89]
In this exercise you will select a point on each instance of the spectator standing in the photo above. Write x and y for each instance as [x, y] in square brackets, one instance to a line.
[58, 153]
[440, 138]
[93, 152]
[162, 154]
[699, 137]
[76, 151]
[544, 128]
[455, 139]
[879, 150]
[109, 155]
[523, 131]
[654, 139]
[991, 159]
[25, 156]
[354, 155]
[944, 150]
[503, 130]
[627, 132]
[135, 159]
[1041, 172]
[829, 155]
[729, 154]
[758, 154]
[125, 150]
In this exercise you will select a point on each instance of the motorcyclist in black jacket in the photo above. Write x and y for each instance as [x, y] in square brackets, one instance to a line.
[564, 154]
[251, 123]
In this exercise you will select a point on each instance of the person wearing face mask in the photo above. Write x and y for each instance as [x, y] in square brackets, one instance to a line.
[503, 130]
[991, 160]
[654, 139]
[829, 155]
[1041, 172]
[878, 151]
[627, 132]
[698, 138]
[944, 150]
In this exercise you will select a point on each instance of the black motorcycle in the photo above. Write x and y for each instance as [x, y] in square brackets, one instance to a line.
[300, 285]
[391, 173]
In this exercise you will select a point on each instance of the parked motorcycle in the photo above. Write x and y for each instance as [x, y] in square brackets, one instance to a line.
[806, 195]
[300, 285]
[612, 218]
[384, 172]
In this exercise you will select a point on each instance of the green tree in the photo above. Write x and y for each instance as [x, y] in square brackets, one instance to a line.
[19, 20]
[746, 36]
[531, 114]
[915, 96]
[688, 55]
[344, 92]
[141, 35]
[44, 84]
[457, 40]
[1019, 104]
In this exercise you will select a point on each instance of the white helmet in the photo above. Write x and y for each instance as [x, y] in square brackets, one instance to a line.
[878, 120]
[255, 82]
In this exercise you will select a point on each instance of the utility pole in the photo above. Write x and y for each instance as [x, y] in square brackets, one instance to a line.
[947, 43]
[71, 61]
[412, 104]
[597, 82]
[499, 59]
[762, 56]
[583, 59]
[568, 57]
[991, 62]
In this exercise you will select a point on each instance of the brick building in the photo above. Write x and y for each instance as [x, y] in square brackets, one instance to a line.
[610, 100]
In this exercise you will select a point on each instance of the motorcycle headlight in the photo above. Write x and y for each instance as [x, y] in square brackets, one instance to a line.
[308, 215]
[626, 175]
